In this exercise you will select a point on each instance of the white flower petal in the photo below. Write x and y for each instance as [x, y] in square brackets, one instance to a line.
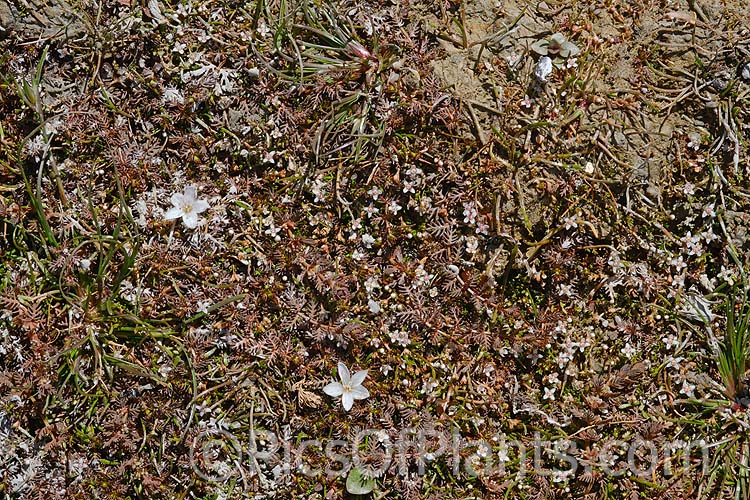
[200, 206]
[173, 213]
[344, 374]
[334, 389]
[360, 392]
[347, 400]
[358, 378]
[190, 193]
[190, 219]
[177, 199]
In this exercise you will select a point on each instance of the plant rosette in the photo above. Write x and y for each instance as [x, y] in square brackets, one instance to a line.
[557, 47]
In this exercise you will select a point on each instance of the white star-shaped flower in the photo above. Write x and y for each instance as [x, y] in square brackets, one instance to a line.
[187, 206]
[350, 387]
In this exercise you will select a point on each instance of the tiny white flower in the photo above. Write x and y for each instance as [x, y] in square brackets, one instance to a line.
[375, 192]
[726, 275]
[688, 389]
[709, 235]
[695, 141]
[549, 393]
[470, 213]
[708, 211]
[367, 240]
[414, 172]
[269, 157]
[371, 210]
[565, 290]
[374, 306]
[673, 362]
[629, 351]
[399, 337]
[678, 262]
[567, 243]
[184, 10]
[263, 30]
[187, 206]
[671, 341]
[371, 284]
[273, 232]
[165, 370]
[350, 387]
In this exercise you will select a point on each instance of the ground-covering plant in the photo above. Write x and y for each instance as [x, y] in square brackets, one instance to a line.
[314, 249]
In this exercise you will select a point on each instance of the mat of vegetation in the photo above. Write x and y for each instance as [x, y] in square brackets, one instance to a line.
[351, 248]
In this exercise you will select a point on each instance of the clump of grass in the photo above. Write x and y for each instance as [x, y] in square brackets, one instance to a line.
[735, 350]
[317, 48]
[322, 42]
